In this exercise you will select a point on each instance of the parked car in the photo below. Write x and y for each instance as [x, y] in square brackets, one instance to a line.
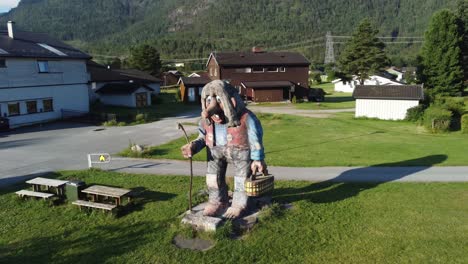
[316, 95]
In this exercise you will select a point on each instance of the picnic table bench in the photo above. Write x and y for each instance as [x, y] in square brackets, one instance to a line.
[39, 182]
[102, 206]
[105, 191]
[42, 195]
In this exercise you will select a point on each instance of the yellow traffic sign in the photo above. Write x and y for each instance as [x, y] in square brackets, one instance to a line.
[102, 158]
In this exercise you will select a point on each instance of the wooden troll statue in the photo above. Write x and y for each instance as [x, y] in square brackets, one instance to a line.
[233, 135]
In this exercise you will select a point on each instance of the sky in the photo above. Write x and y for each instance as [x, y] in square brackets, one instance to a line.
[6, 5]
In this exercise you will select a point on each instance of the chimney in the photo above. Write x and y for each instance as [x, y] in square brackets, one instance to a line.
[11, 29]
[257, 50]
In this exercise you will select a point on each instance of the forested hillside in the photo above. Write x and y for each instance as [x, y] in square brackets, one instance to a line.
[193, 28]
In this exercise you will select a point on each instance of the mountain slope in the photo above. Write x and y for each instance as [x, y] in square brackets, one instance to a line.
[184, 28]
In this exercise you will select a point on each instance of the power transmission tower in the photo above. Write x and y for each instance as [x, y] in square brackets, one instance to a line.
[329, 51]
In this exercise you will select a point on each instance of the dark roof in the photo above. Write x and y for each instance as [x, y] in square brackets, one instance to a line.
[194, 81]
[138, 75]
[396, 92]
[260, 58]
[25, 45]
[268, 84]
[100, 73]
[121, 88]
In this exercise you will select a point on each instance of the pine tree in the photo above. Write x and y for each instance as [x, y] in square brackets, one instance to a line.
[462, 14]
[364, 53]
[440, 64]
[145, 58]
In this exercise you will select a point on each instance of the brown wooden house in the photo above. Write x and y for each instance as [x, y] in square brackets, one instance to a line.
[170, 77]
[191, 88]
[262, 76]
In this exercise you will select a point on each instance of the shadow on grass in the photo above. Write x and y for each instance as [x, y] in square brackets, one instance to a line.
[350, 183]
[140, 196]
[95, 245]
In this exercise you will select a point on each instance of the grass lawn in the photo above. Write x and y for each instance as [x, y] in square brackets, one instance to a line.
[333, 100]
[165, 106]
[328, 223]
[344, 141]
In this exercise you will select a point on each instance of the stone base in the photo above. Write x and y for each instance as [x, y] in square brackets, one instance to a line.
[197, 220]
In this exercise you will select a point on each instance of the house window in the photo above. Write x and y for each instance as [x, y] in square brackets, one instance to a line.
[282, 69]
[13, 109]
[211, 71]
[215, 72]
[48, 105]
[43, 66]
[141, 99]
[272, 69]
[3, 63]
[257, 69]
[31, 106]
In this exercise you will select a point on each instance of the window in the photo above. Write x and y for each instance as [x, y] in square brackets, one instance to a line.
[141, 99]
[43, 66]
[2, 63]
[13, 109]
[282, 69]
[257, 69]
[243, 70]
[48, 105]
[215, 72]
[272, 69]
[211, 71]
[31, 106]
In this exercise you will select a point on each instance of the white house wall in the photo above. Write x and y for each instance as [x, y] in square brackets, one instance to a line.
[128, 100]
[65, 84]
[69, 97]
[156, 87]
[384, 109]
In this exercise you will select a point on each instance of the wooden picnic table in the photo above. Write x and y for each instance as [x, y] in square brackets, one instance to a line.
[38, 182]
[99, 190]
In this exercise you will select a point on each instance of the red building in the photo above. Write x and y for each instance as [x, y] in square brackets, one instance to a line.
[262, 76]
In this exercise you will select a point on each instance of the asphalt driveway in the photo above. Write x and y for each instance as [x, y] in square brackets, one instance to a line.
[64, 146]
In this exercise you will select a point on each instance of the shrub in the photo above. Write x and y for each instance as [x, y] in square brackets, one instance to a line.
[415, 114]
[456, 105]
[437, 119]
[464, 124]
[112, 122]
[140, 118]
[294, 100]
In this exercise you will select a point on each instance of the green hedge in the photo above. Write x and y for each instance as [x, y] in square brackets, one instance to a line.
[415, 114]
[437, 119]
[464, 124]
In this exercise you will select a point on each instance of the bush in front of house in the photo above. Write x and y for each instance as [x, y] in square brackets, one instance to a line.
[140, 118]
[437, 119]
[415, 114]
[464, 124]
[456, 106]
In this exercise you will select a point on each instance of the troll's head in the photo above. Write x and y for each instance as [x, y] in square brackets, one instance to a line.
[221, 103]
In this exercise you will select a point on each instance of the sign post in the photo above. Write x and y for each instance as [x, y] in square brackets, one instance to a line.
[98, 158]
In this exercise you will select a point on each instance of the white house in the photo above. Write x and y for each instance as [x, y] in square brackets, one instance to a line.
[125, 94]
[389, 102]
[397, 72]
[40, 78]
[121, 83]
[348, 86]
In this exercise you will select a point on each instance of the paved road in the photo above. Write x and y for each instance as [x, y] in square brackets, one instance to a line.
[64, 146]
[27, 152]
[291, 110]
[339, 174]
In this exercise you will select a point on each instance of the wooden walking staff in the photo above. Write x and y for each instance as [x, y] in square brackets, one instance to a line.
[180, 126]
